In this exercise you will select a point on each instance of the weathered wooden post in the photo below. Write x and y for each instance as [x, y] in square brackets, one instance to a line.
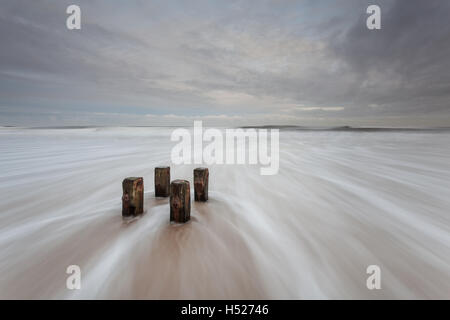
[162, 181]
[201, 176]
[133, 196]
[180, 201]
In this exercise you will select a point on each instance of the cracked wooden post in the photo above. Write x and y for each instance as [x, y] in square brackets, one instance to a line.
[133, 196]
[201, 176]
[180, 201]
[162, 181]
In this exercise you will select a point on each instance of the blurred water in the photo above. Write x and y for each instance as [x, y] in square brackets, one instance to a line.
[340, 202]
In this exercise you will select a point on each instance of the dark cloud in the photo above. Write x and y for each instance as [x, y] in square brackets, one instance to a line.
[405, 65]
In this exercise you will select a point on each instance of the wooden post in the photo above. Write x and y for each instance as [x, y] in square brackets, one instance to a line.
[180, 201]
[133, 196]
[201, 176]
[162, 181]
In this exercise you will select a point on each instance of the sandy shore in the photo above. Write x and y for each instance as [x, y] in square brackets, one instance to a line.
[341, 201]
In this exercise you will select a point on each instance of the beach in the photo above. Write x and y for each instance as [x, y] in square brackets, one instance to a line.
[342, 200]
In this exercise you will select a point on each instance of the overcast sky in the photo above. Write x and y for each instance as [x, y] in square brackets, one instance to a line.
[226, 62]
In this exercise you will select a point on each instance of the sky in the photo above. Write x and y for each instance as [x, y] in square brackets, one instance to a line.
[286, 62]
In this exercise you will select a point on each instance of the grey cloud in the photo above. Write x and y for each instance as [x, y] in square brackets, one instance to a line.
[404, 65]
[235, 58]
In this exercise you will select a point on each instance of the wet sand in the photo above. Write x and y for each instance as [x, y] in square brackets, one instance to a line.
[341, 201]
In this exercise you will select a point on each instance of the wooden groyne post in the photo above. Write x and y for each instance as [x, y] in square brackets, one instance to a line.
[162, 181]
[201, 177]
[180, 201]
[133, 196]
